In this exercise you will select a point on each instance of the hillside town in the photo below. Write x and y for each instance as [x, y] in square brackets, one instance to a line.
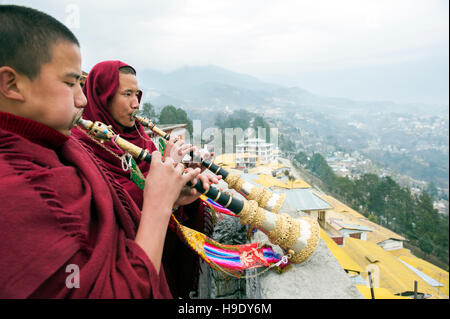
[373, 257]
[396, 145]
[231, 157]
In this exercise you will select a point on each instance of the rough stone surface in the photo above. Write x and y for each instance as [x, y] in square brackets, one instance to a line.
[218, 285]
[204, 282]
[320, 277]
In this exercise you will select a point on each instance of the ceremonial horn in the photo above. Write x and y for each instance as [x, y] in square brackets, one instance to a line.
[265, 198]
[299, 237]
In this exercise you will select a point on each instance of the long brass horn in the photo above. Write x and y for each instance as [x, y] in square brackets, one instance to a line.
[265, 198]
[297, 236]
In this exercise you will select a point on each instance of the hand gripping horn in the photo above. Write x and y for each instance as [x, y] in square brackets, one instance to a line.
[297, 236]
[265, 198]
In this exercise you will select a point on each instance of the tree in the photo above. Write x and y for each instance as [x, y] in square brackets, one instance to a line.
[432, 191]
[425, 244]
[286, 144]
[171, 115]
[386, 202]
[244, 120]
[148, 111]
[239, 118]
[373, 218]
[319, 166]
[259, 122]
[301, 157]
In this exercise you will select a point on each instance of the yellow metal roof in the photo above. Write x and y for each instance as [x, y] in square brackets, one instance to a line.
[226, 160]
[344, 260]
[392, 273]
[266, 168]
[261, 169]
[352, 217]
[270, 181]
[427, 268]
[378, 293]
[298, 183]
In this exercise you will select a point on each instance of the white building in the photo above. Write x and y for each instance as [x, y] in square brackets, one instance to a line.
[347, 230]
[391, 244]
[246, 160]
[253, 151]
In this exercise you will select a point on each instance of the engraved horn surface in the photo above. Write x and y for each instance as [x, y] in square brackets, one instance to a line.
[298, 236]
[266, 199]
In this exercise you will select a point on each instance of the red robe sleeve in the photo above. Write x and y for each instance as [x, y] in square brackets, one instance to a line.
[53, 216]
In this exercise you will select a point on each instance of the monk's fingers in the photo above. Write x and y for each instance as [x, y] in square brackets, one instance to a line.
[205, 181]
[191, 174]
[185, 149]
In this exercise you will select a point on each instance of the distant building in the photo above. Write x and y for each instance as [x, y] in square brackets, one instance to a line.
[303, 199]
[348, 230]
[255, 151]
[391, 244]
[246, 160]
[343, 220]
[441, 206]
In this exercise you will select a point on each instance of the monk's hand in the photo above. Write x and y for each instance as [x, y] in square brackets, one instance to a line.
[177, 149]
[165, 180]
[198, 156]
[189, 195]
[163, 185]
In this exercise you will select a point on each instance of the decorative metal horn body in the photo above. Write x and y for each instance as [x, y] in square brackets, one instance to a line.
[265, 198]
[297, 236]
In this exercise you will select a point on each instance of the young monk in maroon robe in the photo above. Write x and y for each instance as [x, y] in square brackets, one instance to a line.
[113, 94]
[68, 229]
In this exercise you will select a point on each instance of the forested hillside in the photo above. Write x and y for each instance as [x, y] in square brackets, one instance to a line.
[388, 204]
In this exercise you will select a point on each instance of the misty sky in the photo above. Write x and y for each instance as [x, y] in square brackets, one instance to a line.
[394, 50]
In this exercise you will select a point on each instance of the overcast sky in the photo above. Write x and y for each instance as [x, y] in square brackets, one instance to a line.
[362, 49]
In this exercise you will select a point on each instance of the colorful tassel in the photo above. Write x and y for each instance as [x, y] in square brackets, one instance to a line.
[217, 207]
[231, 258]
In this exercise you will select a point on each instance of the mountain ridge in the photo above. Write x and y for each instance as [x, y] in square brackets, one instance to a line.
[213, 86]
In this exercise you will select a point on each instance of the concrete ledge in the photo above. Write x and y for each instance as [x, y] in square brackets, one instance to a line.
[320, 277]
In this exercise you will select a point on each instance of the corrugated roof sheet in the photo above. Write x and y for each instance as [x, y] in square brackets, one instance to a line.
[267, 168]
[424, 266]
[344, 260]
[378, 293]
[249, 177]
[226, 160]
[303, 199]
[341, 225]
[351, 217]
[270, 181]
[422, 275]
[393, 275]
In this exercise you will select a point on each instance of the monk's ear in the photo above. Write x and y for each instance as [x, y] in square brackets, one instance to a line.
[9, 88]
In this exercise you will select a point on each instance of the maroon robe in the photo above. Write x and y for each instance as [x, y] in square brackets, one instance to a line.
[60, 207]
[100, 87]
